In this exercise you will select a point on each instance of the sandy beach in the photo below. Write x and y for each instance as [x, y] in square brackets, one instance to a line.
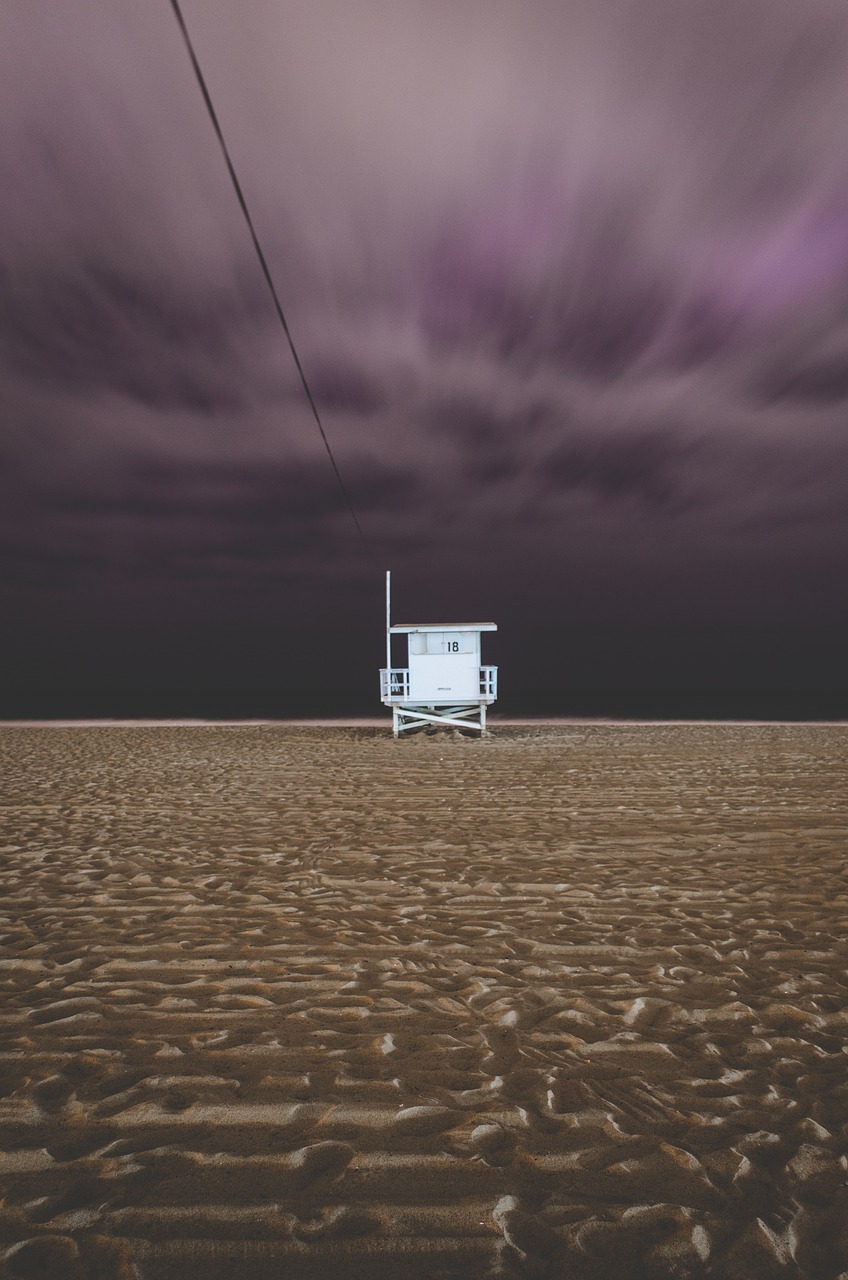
[298, 1001]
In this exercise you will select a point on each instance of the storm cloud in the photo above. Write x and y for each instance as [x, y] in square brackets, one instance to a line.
[569, 284]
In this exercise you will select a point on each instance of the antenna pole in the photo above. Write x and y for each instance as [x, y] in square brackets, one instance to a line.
[388, 626]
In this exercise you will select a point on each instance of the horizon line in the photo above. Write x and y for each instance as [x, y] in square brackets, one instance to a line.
[354, 722]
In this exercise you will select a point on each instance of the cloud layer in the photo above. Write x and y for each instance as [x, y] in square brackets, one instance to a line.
[570, 284]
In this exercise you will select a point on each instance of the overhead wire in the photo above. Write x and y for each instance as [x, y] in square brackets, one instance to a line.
[262, 260]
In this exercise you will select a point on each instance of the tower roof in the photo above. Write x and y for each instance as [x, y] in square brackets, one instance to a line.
[404, 628]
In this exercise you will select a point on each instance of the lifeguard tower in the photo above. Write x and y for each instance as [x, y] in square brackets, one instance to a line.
[443, 682]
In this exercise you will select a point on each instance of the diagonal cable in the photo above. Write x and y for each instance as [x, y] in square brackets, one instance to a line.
[261, 256]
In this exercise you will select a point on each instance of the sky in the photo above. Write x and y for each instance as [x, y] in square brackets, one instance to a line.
[569, 284]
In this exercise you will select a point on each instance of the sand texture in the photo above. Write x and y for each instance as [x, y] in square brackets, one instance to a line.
[306, 1002]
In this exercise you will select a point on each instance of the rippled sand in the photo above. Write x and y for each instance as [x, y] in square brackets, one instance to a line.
[306, 1002]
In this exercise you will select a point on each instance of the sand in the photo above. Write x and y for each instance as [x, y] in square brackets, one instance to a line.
[306, 1002]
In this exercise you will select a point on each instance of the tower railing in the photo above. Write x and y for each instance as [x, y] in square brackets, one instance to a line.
[394, 682]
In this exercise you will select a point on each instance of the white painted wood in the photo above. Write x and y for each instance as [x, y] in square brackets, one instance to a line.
[388, 618]
[420, 718]
[444, 677]
[443, 681]
[395, 687]
[404, 628]
[443, 643]
[394, 684]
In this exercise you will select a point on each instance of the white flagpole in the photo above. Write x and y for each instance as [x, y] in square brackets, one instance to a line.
[388, 626]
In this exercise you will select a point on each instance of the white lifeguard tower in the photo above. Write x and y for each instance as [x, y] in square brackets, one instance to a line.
[443, 682]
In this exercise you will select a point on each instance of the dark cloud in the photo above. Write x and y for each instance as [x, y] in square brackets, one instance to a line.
[490, 441]
[227, 495]
[820, 382]
[161, 344]
[657, 467]
[339, 389]
[227, 503]
[703, 332]
[534, 281]
[653, 468]
[476, 423]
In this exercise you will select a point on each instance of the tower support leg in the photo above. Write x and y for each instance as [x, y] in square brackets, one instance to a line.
[483, 730]
[407, 719]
